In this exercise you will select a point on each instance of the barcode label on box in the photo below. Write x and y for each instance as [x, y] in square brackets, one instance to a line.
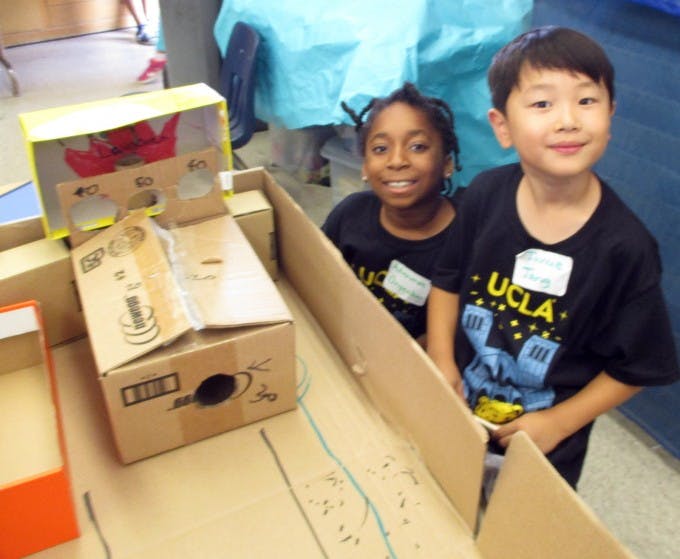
[143, 391]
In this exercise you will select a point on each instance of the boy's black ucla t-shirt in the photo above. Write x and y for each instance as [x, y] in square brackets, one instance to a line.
[538, 322]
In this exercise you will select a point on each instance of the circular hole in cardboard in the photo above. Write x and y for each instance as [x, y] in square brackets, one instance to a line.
[195, 184]
[150, 198]
[215, 389]
[93, 212]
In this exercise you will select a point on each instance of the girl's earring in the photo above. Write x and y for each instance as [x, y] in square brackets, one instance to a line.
[364, 178]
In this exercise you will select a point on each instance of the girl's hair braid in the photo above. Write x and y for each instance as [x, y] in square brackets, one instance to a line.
[437, 110]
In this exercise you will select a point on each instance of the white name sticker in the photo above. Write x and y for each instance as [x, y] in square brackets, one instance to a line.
[406, 284]
[544, 271]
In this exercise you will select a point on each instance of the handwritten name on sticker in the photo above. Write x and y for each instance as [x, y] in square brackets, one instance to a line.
[406, 284]
[543, 271]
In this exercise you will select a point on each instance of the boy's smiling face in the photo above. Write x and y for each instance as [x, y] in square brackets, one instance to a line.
[558, 122]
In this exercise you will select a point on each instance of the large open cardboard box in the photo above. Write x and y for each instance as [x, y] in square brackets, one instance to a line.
[379, 459]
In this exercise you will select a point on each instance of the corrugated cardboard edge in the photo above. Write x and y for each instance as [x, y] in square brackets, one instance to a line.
[17, 233]
[527, 511]
[438, 421]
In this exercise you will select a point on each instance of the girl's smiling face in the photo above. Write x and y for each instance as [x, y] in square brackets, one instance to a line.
[404, 161]
[557, 120]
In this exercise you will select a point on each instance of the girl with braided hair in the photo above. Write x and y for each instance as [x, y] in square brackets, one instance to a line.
[391, 234]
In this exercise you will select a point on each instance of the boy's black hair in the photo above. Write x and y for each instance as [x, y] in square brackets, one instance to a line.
[437, 111]
[549, 47]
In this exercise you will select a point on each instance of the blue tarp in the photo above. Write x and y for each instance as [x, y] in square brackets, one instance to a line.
[316, 54]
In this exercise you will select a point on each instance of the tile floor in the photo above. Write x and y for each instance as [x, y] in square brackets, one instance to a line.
[631, 483]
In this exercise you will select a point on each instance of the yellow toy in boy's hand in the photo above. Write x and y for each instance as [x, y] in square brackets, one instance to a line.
[497, 411]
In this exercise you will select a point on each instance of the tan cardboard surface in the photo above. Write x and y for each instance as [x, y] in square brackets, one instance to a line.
[28, 440]
[41, 270]
[224, 278]
[205, 383]
[403, 383]
[533, 513]
[131, 300]
[255, 217]
[16, 233]
[328, 479]
[28, 424]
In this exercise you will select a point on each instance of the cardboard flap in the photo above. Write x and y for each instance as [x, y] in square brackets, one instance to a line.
[247, 203]
[131, 301]
[223, 277]
[527, 513]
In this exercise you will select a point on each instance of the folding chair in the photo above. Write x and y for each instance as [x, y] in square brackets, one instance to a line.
[237, 85]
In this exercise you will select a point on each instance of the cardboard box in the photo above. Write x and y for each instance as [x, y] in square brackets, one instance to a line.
[100, 137]
[19, 232]
[40, 269]
[186, 345]
[176, 190]
[36, 508]
[379, 459]
[255, 217]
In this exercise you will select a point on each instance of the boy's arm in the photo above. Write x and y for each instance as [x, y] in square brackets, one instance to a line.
[547, 428]
[442, 317]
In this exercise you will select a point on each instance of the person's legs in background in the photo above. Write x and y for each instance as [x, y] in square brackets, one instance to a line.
[138, 10]
[158, 60]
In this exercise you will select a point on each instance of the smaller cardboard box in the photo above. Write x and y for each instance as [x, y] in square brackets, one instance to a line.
[104, 136]
[19, 232]
[255, 216]
[190, 336]
[33, 267]
[36, 507]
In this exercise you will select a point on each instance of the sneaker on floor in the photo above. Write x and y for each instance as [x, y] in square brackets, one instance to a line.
[152, 71]
[143, 37]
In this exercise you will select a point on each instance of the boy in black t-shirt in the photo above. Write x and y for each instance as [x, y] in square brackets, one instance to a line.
[548, 283]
